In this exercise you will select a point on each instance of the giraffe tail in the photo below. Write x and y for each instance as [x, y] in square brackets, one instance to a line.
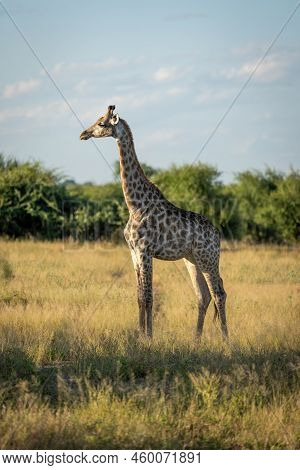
[216, 313]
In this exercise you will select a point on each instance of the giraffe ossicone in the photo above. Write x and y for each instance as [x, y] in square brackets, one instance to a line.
[158, 229]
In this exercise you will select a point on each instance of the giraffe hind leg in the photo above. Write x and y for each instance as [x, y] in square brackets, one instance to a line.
[142, 312]
[216, 312]
[145, 296]
[215, 285]
[202, 293]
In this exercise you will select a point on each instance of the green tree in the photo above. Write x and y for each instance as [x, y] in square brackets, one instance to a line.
[31, 200]
[252, 190]
[99, 210]
[285, 208]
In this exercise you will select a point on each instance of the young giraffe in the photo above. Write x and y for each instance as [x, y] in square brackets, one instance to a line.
[158, 229]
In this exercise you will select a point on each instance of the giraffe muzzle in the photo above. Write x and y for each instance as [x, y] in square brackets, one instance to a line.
[85, 135]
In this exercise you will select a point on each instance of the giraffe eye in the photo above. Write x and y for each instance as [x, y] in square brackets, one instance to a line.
[101, 124]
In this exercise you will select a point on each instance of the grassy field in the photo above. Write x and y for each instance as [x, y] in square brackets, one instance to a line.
[74, 372]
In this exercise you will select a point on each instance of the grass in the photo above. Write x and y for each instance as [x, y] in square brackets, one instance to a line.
[74, 372]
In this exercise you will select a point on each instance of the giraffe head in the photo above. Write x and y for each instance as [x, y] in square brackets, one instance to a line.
[105, 126]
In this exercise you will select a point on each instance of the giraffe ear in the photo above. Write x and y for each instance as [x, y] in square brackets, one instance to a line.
[115, 119]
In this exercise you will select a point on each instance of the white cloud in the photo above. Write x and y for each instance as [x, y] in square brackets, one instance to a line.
[209, 94]
[165, 74]
[43, 113]
[79, 67]
[133, 100]
[82, 86]
[163, 136]
[249, 49]
[271, 69]
[169, 137]
[19, 88]
[139, 100]
[176, 91]
[247, 145]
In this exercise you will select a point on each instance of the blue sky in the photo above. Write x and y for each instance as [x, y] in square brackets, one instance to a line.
[171, 68]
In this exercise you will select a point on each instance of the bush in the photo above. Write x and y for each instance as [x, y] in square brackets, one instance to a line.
[268, 205]
[285, 208]
[31, 200]
[36, 202]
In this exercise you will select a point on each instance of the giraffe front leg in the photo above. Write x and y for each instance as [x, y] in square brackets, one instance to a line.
[145, 290]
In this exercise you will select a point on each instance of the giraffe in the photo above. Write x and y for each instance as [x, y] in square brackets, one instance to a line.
[158, 229]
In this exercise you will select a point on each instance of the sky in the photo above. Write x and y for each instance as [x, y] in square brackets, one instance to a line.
[171, 68]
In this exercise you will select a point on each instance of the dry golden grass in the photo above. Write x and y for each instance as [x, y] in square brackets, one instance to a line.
[75, 373]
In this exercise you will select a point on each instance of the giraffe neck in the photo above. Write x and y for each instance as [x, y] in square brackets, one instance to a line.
[138, 190]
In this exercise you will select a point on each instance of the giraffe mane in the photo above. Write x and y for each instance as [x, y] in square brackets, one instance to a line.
[126, 125]
[153, 185]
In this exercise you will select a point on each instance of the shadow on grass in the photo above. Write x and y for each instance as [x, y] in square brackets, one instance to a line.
[15, 364]
[127, 362]
[141, 363]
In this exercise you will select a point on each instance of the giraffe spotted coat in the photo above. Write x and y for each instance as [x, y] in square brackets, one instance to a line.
[158, 229]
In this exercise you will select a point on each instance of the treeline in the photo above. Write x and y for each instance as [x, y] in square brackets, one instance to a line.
[40, 203]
